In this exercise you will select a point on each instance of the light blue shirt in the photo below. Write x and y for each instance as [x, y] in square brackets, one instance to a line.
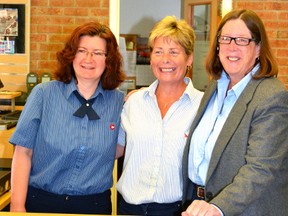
[206, 133]
[152, 170]
[71, 155]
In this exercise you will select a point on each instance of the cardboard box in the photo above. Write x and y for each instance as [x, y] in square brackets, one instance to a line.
[131, 41]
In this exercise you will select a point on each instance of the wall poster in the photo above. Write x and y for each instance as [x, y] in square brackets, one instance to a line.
[8, 22]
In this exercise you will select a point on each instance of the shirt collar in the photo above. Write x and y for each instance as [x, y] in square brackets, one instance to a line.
[189, 91]
[237, 89]
[71, 87]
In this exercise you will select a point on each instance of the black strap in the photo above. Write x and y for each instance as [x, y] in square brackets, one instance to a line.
[85, 108]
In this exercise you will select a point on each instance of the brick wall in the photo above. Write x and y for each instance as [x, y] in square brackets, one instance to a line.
[275, 17]
[52, 21]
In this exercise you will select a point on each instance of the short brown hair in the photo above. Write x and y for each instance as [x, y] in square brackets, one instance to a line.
[113, 74]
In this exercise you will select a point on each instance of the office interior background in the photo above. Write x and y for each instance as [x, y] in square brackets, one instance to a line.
[51, 21]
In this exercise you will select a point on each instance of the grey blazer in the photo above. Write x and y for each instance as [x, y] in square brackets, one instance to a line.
[248, 171]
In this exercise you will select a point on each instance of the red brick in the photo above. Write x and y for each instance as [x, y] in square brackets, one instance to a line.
[33, 46]
[56, 38]
[267, 15]
[272, 34]
[276, 25]
[52, 56]
[279, 44]
[40, 20]
[39, 3]
[68, 29]
[49, 29]
[50, 11]
[284, 70]
[282, 53]
[88, 3]
[47, 66]
[105, 4]
[62, 3]
[282, 35]
[39, 55]
[101, 12]
[53, 47]
[82, 20]
[58, 18]
[284, 80]
[38, 38]
[282, 61]
[273, 5]
[76, 12]
[252, 5]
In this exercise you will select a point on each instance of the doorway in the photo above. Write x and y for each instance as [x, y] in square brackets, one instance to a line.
[202, 16]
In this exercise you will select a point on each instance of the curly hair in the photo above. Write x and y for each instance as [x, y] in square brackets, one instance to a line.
[113, 75]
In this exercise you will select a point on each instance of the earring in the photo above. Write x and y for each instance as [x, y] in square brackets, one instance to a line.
[188, 69]
[217, 48]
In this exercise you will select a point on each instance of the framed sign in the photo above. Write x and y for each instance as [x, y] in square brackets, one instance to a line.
[9, 22]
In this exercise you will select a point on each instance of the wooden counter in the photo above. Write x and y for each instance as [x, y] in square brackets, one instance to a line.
[10, 96]
[4, 200]
[6, 149]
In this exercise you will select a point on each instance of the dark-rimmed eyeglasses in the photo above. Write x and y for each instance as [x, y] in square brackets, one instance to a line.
[240, 41]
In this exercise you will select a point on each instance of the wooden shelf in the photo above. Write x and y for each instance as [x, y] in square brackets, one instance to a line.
[15, 67]
[4, 200]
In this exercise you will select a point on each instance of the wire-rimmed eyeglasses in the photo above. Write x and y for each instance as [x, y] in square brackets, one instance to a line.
[240, 41]
[94, 54]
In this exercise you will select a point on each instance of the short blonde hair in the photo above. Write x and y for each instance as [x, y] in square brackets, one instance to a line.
[177, 30]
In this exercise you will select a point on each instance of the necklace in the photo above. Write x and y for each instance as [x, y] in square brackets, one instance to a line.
[167, 104]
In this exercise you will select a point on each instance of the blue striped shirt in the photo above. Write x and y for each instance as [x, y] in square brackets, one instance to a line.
[152, 170]
[71, 155]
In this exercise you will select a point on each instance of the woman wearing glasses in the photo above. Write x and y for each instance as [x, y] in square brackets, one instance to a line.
[65, 140]
[236, 157]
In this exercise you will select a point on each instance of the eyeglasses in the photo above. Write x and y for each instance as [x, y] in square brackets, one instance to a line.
[240, 41]
[93, 54]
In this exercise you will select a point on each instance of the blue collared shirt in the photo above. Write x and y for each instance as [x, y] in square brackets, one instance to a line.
[71, 155]
[210, 126]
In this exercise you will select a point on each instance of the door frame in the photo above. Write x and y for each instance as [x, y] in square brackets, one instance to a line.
[213, 11]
